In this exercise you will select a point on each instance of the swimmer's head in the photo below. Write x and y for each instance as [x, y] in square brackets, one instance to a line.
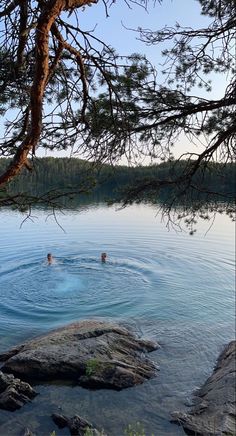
[49, 257]
[103, 257]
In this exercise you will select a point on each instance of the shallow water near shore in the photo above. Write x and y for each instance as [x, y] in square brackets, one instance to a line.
[165, 285]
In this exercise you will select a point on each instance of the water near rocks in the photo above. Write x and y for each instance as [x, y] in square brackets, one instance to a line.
[169, 287]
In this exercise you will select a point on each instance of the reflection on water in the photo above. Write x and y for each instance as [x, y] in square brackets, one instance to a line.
[176, 289]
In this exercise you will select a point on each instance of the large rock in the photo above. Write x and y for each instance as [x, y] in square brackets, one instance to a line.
[214, 411]
[78, 426]
[96, 354]
[13, 392]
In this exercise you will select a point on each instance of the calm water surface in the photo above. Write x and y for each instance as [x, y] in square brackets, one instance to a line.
[168, 286]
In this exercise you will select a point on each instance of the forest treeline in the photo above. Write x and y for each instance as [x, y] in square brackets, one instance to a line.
[107, 182]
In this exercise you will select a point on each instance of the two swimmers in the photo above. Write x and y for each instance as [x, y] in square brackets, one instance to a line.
[50, 258]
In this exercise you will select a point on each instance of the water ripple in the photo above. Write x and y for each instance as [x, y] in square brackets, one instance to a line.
[173, 288]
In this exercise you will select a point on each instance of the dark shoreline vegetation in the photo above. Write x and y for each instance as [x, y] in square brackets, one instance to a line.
[68, 182]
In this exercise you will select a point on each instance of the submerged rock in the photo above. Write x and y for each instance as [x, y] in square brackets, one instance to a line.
[27, 432]
[78, 426]
[14, 393]
[94, 353]
[214, 410]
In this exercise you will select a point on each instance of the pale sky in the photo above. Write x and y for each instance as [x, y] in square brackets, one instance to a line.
[185, 12]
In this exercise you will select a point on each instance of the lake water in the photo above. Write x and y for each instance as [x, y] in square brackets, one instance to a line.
[166, 285]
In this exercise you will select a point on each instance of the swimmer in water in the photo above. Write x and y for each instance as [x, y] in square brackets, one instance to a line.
[103, 257]
[49, 258]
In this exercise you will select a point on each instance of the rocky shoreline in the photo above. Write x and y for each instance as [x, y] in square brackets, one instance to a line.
[14, 393]
[214, 410]
[97, 355]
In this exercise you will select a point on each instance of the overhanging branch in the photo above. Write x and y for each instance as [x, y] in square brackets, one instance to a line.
[49, 12]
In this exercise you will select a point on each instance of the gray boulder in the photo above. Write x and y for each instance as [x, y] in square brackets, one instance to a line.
[14, 393]
[94, 353]
[78, 426]
[214, 410]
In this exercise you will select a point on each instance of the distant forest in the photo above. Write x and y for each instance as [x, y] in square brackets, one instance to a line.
[107, 182]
